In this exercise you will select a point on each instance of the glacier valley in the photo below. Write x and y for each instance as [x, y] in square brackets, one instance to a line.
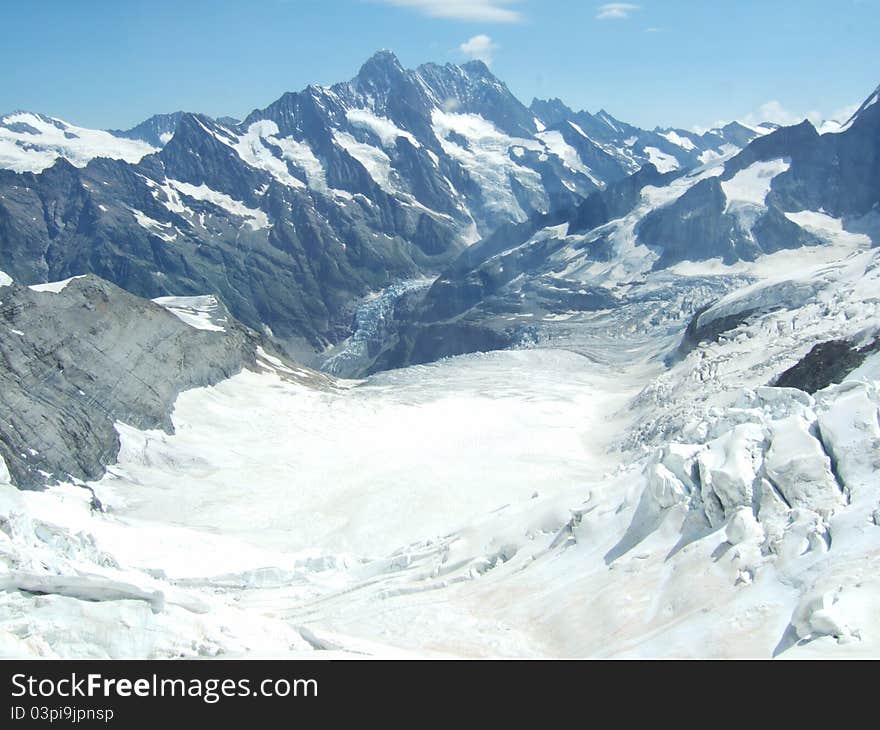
[583, 498]
[401, 367]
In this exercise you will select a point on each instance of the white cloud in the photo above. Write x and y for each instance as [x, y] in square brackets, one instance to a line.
[774, 111]
[616, 11]
[490, 11]
[844, 115]
[479, 48]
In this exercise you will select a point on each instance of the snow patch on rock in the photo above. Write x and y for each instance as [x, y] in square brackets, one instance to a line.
[198, 312]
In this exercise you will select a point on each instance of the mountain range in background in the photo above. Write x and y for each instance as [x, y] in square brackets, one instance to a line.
[294, 215]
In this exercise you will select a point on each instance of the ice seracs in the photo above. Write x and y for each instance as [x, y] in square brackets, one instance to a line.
[767, 493]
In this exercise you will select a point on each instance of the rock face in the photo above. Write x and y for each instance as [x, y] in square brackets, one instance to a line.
[699, 226]
[76, 360]
[838, 173]
[293, 217]
[474, 304]
[825, 364]
[156, 131]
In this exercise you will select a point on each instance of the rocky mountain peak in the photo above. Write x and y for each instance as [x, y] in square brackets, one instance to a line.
[382, 69]
[157, 130]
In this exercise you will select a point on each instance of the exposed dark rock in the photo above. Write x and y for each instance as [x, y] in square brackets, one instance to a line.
[826, 363]
[614, 142]
[303, 272]
[697, 333]
[696, 227]
[616, 200]
[156, 130]
[424, 344]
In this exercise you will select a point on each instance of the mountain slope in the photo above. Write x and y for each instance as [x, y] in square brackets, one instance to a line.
[678, 459]
[156, 131]
[631, 147]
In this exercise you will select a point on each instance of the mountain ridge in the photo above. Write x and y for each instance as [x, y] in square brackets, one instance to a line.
[337, 191]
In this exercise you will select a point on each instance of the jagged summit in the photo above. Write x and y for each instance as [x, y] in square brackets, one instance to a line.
[157, 130]
[338, 190]
[382, 57]
[551, 111]
[478, 68]
[382, 68]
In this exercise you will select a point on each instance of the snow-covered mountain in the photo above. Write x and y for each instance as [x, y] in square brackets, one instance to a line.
[156, 131]
[706, 226]
[631, 148]
[337, 191]
[34, 142]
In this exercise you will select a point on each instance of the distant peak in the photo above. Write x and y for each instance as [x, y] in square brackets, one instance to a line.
[384, 54]
[190, 117]
[382, 60]
[555, 103]
[869, 102]
[199, 124]
[477, 66]
[13, 113]
[477, 69]
[169, 115]
[734, 125]
[25, 113]
[382, 71]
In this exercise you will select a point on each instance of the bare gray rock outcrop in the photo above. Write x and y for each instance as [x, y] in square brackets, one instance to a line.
[72, 363]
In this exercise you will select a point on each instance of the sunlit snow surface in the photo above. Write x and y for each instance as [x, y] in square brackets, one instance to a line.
[586, 501]
[34, 142]
[487, 158]
[54, 286]
[349, 470]
[200, 313]
[267, 482]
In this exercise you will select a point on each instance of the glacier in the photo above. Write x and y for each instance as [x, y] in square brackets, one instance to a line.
[583, 497]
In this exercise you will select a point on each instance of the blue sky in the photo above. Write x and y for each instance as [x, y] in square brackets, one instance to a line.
[686, 63]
